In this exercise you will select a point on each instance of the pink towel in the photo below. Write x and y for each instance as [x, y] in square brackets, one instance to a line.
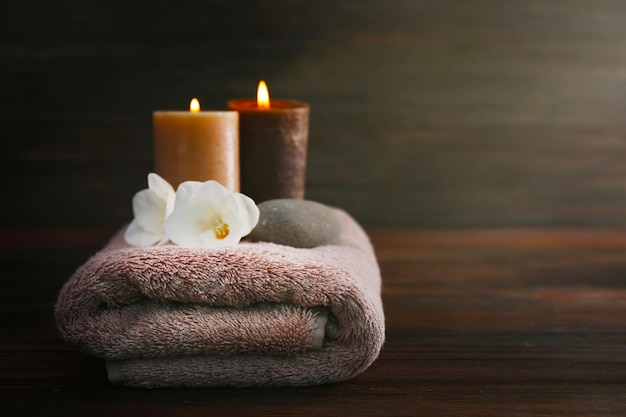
[256, 314]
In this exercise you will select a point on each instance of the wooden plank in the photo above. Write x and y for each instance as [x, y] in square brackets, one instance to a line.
[479, 322]
[424, 114]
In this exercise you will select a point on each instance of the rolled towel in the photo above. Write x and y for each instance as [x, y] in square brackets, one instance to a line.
[255, 314]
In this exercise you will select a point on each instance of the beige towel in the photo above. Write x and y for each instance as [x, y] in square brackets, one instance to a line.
[256, 314]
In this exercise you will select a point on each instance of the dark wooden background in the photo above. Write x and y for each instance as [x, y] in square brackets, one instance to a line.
[481, 143]
[425, 113]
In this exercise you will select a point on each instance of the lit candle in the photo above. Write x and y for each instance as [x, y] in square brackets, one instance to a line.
[197, 145]
[273, 140]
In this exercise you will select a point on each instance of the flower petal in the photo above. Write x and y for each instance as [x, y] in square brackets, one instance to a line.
[248, 211]
[214, 192]
[216, 237]
[208, 214]
[186, 190]
[159, 185]
[137, 236]
[183, 225]
[149, 211]
[163, 189]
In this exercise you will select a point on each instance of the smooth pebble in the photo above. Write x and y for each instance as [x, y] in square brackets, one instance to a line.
[297, 223]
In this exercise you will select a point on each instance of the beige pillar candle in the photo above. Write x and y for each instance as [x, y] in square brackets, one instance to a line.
[197, 145]
[273, 141]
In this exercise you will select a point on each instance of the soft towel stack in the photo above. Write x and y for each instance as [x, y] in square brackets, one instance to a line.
[255, 314]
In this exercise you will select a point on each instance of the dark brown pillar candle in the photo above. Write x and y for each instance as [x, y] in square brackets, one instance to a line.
[272, 148]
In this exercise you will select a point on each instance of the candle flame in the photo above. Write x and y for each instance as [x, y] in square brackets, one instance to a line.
[263, 96]
[194, 105]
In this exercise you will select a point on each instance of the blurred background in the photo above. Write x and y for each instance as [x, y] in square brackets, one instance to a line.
[424, 113]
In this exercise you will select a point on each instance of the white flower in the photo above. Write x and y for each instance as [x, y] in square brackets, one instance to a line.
[151, 207]
[208, 214]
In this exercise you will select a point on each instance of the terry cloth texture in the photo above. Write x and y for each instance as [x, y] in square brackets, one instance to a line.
[255, 314]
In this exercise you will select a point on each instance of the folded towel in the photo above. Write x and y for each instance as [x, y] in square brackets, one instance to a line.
[255, 314]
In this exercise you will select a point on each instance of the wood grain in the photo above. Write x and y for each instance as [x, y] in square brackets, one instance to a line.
[423, 113]
[481, 143]
[524, 322]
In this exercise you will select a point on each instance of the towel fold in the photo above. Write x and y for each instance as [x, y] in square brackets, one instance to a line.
[256, 314]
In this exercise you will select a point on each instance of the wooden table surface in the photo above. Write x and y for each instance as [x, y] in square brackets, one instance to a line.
[480, 322]
[481, 143]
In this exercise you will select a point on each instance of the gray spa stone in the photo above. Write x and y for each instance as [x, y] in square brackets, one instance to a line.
[297, 223]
